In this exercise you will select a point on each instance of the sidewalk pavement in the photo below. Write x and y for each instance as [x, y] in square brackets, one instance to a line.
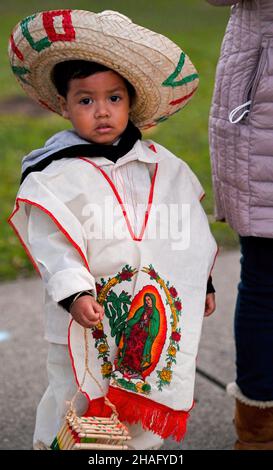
[23, 372]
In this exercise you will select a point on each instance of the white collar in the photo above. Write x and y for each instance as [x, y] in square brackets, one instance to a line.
[141, 151]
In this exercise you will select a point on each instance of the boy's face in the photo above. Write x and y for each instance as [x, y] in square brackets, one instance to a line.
[98, 106]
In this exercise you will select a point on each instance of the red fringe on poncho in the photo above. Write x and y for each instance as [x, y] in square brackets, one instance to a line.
[134, 408]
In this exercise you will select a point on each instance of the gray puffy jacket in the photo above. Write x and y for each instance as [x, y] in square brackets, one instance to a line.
[242, 150]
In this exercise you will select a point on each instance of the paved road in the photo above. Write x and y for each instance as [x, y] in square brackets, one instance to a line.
[23, 355]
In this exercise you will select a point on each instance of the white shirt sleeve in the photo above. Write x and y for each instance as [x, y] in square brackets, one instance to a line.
[62, 269]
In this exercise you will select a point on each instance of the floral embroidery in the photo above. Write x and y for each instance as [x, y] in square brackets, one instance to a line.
[113, 306]
[165, 375]
[106, 369]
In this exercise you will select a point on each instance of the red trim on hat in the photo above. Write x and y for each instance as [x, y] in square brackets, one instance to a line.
[45, 105]
[150, 200]
[60, 227]
[15, 48]
[48, 22]
[184, 98]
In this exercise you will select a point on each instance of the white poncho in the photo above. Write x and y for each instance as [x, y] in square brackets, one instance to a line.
[152, 284]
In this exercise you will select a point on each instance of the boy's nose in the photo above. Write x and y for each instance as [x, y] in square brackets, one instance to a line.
[101, 110]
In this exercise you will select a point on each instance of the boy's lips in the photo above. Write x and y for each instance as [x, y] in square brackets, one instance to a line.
[103, 128]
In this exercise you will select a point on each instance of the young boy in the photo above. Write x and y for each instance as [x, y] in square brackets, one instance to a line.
[113, 223]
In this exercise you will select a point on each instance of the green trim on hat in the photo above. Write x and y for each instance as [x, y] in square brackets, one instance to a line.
[39, 45]
[19, 71]
[170, 81]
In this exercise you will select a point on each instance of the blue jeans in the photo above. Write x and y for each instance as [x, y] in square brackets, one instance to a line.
[254, 319]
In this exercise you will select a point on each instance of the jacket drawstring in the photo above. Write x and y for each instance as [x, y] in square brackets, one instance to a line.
[233, 113]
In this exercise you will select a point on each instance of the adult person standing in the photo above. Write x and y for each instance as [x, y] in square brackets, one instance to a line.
[241, 145]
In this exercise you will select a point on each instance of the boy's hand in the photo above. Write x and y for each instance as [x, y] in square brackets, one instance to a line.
[87, 311]
[210, 304]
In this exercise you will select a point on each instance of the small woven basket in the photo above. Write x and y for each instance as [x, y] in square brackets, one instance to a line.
[78, 433]
[92, 432]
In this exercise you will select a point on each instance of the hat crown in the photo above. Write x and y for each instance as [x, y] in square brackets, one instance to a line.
[117, 14]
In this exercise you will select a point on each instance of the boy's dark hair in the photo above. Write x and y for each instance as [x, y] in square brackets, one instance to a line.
[63, 72]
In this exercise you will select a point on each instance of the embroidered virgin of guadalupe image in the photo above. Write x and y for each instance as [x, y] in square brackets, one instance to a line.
[134, 355]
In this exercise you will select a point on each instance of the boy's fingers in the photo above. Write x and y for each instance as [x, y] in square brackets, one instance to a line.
[92, 315]
[100, 312]
[83, 321]
[91, 320]
[89, 315]
[99, 308]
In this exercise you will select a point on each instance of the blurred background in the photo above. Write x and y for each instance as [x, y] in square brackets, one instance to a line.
[193, 24]
[198, 28]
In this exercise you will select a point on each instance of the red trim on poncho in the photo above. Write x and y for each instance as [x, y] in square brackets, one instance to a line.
[121, 203]
[133, 408]
[60, 227]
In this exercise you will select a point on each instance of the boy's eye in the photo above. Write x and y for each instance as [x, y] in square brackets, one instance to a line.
[115, 98]
[86, 101]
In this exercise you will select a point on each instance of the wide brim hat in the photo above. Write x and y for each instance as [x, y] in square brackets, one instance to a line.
[161, 73]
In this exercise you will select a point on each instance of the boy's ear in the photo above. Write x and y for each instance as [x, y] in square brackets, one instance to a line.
[63, 105]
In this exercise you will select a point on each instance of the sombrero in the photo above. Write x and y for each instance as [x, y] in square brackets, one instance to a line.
[163, 76]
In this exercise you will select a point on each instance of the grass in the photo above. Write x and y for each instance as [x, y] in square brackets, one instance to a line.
[196, 26]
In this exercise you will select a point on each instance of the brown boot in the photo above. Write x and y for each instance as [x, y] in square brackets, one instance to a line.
[254, 427]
